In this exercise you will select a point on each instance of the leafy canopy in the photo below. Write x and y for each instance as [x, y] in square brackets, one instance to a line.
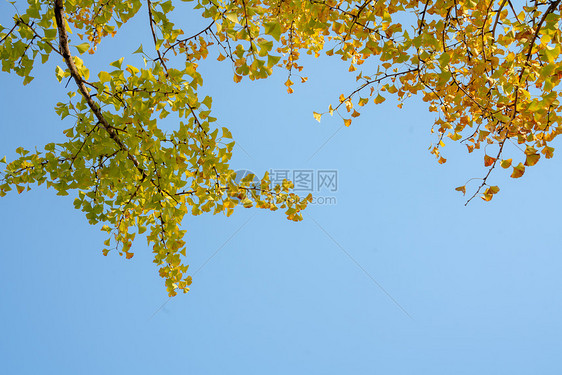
[490, 70]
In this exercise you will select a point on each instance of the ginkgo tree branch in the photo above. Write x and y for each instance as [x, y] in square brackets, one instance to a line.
[490, 169]
[80, 82]
[20, 20]
[180, 41]
[11, 31]
[353, 18]
[65, 52]
[373, 81]
[154, 38]
[551, 8]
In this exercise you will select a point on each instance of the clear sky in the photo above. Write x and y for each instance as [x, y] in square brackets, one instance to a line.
[397, 276]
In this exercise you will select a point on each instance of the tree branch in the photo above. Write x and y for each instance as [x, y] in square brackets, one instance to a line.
[65, 52]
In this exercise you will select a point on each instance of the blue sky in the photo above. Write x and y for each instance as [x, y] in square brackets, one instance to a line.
[397, 277]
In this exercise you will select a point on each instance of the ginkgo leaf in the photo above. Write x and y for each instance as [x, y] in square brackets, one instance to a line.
[488, 160]
[461, 189]
[232, 17]
[489, 193]
[60, 73]
[67, 26]
[529, 150]
[83, 47]
[117, 63]
[532, 159]
[272, 60]
[506, 163]
[104, 77]
[548, 152]
[518, 171]
[379, 99]
[273, 29]
[363, 101]
[207, 102]
[317, 116]
[27, 80]
[226, 133]
[139, 50]
[455, 136]
[487, 197]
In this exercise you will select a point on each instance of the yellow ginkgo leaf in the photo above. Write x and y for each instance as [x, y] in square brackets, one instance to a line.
[379, 99]
[548, 152]
[532, 159]
[488, 160]
[487, 197]
[518, 171]
[506, 163]
[461, 189]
